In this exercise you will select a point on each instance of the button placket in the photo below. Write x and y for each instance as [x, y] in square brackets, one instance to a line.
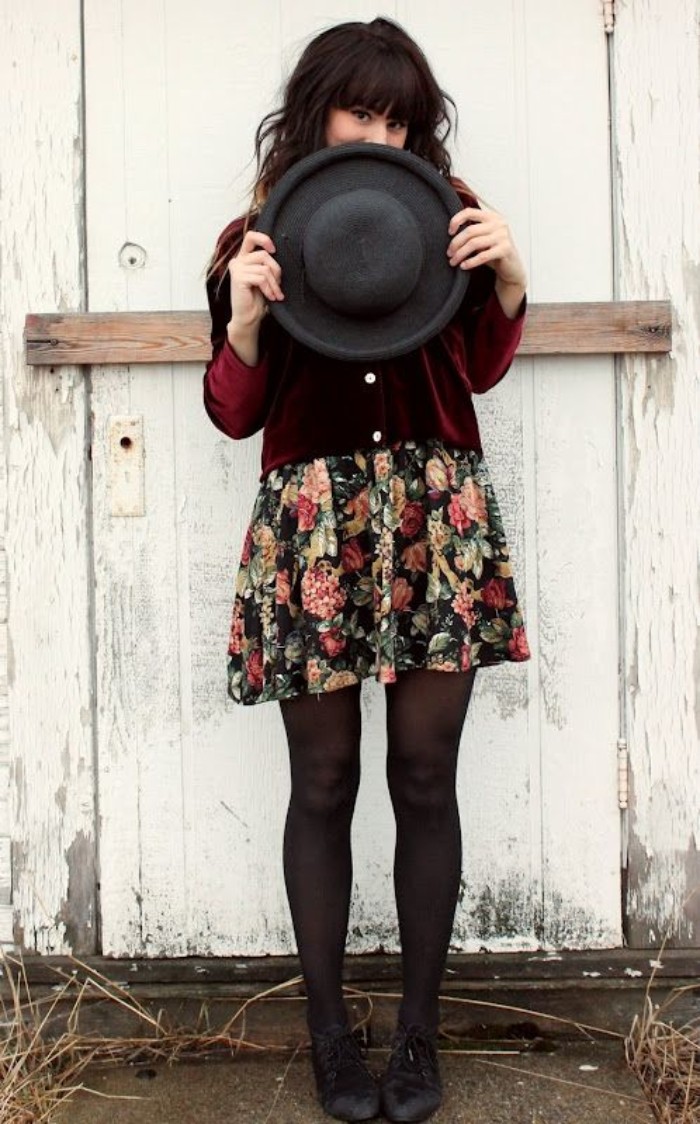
[370, 379]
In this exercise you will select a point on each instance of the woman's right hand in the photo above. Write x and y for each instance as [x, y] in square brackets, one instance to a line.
[255, 281]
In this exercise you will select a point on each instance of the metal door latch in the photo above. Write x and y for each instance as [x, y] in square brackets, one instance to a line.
[126, 465]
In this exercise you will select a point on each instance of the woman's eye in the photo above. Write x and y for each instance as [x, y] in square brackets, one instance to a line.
[361, 114]
[397, 126]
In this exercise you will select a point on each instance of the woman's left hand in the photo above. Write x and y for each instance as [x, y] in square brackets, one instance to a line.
[483, 238]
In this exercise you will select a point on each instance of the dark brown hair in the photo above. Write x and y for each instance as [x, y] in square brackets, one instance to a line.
[375, 65]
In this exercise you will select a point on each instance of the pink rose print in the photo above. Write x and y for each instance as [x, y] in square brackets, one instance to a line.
[518, 645]
[247, 547]
[474, 501]
[459, 518]
[332, 642]
[254, 670]
[307, 511]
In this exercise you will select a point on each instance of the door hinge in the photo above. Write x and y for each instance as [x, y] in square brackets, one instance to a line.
[609, 16]
[623, 774]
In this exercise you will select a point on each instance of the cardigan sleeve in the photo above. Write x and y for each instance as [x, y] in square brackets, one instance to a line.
[491, 337]
[236, 396]
[491, 340]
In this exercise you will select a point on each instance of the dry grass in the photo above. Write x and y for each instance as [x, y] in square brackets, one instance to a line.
[666, 1060]
[44, 1053]
[36, 1073]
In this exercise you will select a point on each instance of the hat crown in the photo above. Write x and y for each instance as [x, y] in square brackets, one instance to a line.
[370, 279]
[363, 253]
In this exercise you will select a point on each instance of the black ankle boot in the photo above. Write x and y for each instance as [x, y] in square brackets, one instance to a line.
[411, 1086]
[346, 1088]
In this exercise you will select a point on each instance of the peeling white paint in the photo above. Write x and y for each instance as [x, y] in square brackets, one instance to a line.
[657, 121]
[193, 790]
[44, 491]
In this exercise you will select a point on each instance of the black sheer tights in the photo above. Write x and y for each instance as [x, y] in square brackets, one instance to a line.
[323, 732]
[425, 714]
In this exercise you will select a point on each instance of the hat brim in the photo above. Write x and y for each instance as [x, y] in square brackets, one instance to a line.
[440, 287]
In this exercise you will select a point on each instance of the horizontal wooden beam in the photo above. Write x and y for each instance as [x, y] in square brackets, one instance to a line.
[635, 967]
[95, 338]
[489, 996]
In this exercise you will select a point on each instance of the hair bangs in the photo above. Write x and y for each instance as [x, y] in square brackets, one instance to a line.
[384, 81]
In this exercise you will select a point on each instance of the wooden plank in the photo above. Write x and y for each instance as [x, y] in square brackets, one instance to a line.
[140, 719]
[46, 684]
[523, 1016]
[634, 966]
[657, 117]
[573, 524]
[597, 328]
[569, 328]
[506, 996]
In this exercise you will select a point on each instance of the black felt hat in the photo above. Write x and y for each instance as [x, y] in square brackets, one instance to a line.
[360, 231]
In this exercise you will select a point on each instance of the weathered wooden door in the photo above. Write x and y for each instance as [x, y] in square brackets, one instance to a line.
[192, 790]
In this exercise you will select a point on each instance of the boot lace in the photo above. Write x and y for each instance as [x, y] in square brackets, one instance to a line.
[339, 1051]
[415, 1050]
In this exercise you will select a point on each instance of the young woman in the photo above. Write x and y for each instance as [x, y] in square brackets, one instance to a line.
[375, 548]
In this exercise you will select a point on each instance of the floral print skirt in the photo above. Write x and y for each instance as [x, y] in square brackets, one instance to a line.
[370, 564]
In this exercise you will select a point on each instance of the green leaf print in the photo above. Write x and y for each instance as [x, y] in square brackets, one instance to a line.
[256, 570]
[421, 620]
[294, 648]
[390, 518]
[433, 592]
[440, 643]
[363, 593]
[495, 632]
[324, 542]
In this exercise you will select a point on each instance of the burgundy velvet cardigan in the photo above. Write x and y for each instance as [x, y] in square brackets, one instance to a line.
[311, 406]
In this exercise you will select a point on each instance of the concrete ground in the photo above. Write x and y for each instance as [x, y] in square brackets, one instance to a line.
[575, 1083]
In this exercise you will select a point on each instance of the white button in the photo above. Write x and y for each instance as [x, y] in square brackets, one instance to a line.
[377, 435]
[370, 377]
